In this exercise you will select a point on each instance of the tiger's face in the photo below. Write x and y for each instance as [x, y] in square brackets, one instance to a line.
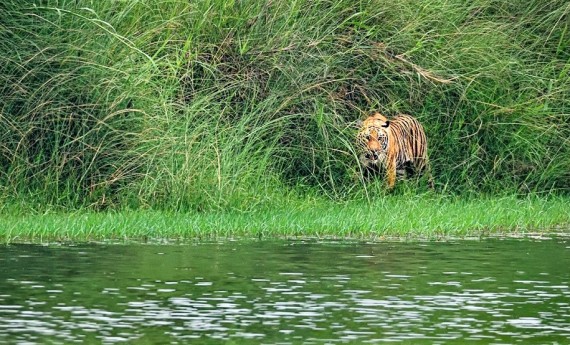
[372, 140]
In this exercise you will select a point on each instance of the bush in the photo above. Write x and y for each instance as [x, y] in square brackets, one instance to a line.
[231, 104]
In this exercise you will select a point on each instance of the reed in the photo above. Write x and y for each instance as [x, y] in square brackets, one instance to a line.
[217, 105]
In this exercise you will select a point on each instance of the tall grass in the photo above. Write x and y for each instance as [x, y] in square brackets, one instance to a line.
[216, 104]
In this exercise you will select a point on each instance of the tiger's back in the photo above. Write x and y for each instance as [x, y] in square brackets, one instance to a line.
[412, 142]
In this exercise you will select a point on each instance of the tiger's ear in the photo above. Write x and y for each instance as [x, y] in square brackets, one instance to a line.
[358, 124]
[386, 124]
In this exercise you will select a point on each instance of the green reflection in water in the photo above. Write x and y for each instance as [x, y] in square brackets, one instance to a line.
[287, 291]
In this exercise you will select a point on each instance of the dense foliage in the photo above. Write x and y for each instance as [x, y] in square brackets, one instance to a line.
[216, 104]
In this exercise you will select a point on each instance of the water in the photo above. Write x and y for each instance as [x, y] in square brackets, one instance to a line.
[487, 292]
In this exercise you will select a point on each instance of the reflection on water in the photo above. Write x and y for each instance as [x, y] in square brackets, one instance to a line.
[494, 291]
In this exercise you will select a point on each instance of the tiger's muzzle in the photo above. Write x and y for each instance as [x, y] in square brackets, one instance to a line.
[373, 156]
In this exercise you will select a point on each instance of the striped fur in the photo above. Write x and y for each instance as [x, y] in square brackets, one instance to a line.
[397, 146]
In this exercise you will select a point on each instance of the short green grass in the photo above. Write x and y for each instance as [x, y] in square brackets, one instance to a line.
[420, 217]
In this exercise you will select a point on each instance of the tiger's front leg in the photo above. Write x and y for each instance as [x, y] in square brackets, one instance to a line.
[391, 173]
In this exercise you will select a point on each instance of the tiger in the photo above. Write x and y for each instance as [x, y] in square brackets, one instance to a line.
[397, 146]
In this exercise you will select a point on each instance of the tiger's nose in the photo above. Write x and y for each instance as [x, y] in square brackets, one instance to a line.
[373, 156]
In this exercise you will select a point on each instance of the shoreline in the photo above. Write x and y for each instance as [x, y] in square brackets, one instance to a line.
[387, 219]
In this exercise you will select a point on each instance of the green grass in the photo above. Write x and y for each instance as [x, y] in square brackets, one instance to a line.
[217, 108]
[413, 218]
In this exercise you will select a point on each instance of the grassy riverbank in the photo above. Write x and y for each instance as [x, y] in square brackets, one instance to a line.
[418, 217]
[218, 113]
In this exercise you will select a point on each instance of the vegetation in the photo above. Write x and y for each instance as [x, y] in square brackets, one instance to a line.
[233, 106]
[399, 217]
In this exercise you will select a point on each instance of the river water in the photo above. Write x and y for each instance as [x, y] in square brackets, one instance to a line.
[496, 291]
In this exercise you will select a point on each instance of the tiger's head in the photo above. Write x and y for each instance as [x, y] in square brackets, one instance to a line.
[372, 140]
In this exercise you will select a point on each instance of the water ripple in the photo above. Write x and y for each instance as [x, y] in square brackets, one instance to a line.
[405, 293]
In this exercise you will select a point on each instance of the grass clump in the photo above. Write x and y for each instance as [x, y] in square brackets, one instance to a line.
[236, 105]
